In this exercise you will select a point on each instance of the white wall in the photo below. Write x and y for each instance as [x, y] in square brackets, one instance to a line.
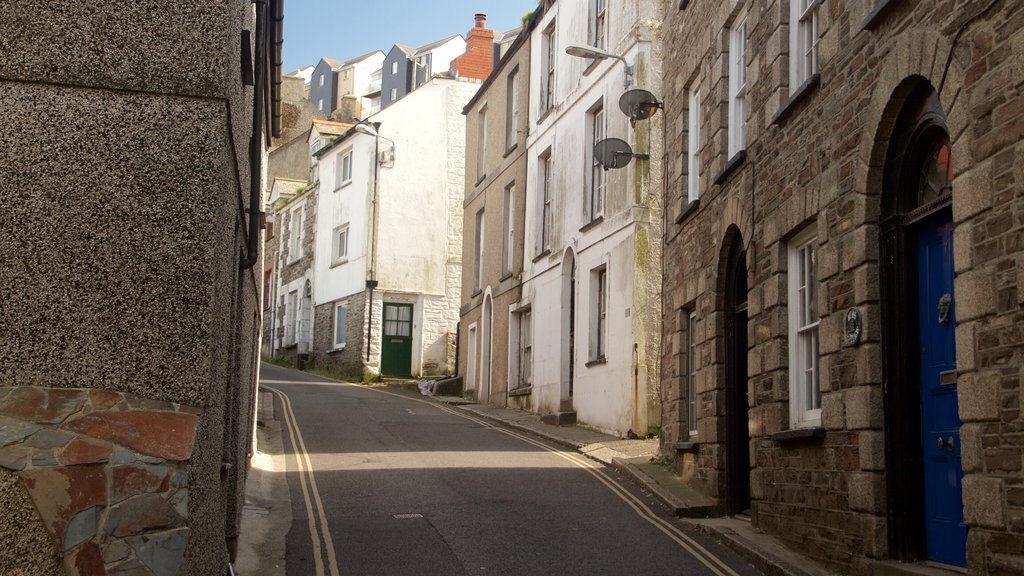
[603, 393]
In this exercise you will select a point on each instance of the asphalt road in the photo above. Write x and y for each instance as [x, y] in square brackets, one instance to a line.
[403, 486]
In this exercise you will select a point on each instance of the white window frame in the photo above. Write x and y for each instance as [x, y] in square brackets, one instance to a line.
[481, 135]
[544, 177]
[339, 241]
[394, 94]
[547, 98]
[394, 69]
[597, 182]
[693, 150]
[478, 252]
[804, 377]
[512, 109]
[803, 42]
[296, 225]
[737, 86]
[598, 23]
[291, 319]
[598, 313]
[343, 170]
[340, 326]
[691, 373]
[346, 74]
[508, 226]
[525, 348]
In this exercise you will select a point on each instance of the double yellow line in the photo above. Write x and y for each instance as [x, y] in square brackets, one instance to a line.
[713, 563]
[308, 482]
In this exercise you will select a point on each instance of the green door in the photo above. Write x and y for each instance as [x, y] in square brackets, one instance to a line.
[396, 349]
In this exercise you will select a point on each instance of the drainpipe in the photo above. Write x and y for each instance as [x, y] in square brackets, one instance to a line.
[371, 277]
[636, 387]
[256, 215]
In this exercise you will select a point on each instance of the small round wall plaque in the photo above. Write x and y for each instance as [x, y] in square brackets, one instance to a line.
[853, 326]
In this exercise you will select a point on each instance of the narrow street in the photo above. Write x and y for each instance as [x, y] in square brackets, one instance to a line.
[403, 485]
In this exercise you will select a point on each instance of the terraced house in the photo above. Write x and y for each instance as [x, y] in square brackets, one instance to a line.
[844, 280]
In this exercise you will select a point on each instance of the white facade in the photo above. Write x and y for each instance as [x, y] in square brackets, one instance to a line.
[605, 224]
[356, 78]
[411, 244]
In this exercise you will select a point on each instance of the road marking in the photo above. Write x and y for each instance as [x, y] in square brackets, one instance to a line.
[305, 468]
[713, 563]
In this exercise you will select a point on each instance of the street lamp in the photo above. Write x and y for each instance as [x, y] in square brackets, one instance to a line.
[585, 51]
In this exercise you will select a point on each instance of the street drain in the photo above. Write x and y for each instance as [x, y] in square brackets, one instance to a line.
[407, 516]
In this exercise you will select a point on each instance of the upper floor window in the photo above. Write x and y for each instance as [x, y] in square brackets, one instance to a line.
[346, 74]
[737, 87]
[804, 390]
[344, 169]
[321, 79]
[511, 109]
[508, 227]
[547, 92]
[544, 178]
[394, 68]
[693, 147]
[598, 32]
[340, 247]
[478, 253]
[394, 94]
[598, 175]
[295, 230]
[803, 42]
[481, 147]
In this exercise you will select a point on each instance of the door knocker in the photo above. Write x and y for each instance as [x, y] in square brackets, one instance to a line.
[944, 304]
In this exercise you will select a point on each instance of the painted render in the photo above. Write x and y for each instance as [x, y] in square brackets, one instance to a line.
[359, 72]
[419, 229]
[620, 391]
[492, 309]
[127, 396]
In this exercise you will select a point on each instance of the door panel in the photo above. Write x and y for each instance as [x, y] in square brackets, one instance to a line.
[396, 345]
[940, 420]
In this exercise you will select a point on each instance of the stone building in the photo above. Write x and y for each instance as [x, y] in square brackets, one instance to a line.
[844, 275]
[132, 183]
[494, 214]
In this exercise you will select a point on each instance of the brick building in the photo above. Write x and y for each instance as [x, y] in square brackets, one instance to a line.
[844, 279]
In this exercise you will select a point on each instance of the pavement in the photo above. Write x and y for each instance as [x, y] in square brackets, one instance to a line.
[266, 517]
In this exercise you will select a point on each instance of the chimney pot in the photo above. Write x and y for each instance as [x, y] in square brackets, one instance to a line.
[480, 19]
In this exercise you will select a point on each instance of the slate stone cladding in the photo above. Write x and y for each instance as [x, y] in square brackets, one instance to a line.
[815, 161]
[126, 459]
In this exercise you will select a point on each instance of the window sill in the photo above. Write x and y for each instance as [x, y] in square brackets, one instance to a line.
[505, 276]
[591, 67]
[344, 184]
[336, 349]
[692, 447]
[874, 18]
[510, 150]
[690, 210]
[480, 179]
[731, 166]
[796, 97]
[524, 391]
[596, 362]
[339, 262]
[476, 293]
[545, 114]
[542, 255]
[592, 224]
[294, 262]
[798, 434]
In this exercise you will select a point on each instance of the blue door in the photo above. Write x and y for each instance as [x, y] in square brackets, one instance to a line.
[940, 418]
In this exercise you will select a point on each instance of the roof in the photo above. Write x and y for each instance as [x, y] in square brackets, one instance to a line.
[332, 62]
[404, 48]
[359, 59]
[507, 35]
[432, 45]
[330, 127]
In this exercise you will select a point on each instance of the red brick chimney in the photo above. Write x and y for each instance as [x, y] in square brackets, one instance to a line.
[479, 57]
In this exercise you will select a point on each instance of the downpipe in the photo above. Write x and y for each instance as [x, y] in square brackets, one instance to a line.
[256, 215]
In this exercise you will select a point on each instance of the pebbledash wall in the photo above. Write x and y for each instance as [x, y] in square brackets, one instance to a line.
[821, 162]
[128, 366]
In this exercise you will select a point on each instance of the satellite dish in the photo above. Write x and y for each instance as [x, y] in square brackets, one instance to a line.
[613, 153]
[638, 104]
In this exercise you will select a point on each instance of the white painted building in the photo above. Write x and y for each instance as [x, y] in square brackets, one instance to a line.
[592, 275]
[388, 266]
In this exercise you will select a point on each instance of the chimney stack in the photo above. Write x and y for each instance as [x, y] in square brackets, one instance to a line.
[478, 59]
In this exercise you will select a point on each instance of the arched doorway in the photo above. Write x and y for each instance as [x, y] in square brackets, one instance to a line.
[925, 502]
[737, 426]
[486, 320]
[568, 304]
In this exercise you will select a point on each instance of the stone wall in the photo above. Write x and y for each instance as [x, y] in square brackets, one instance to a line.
[816, 161]
[352, 358]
